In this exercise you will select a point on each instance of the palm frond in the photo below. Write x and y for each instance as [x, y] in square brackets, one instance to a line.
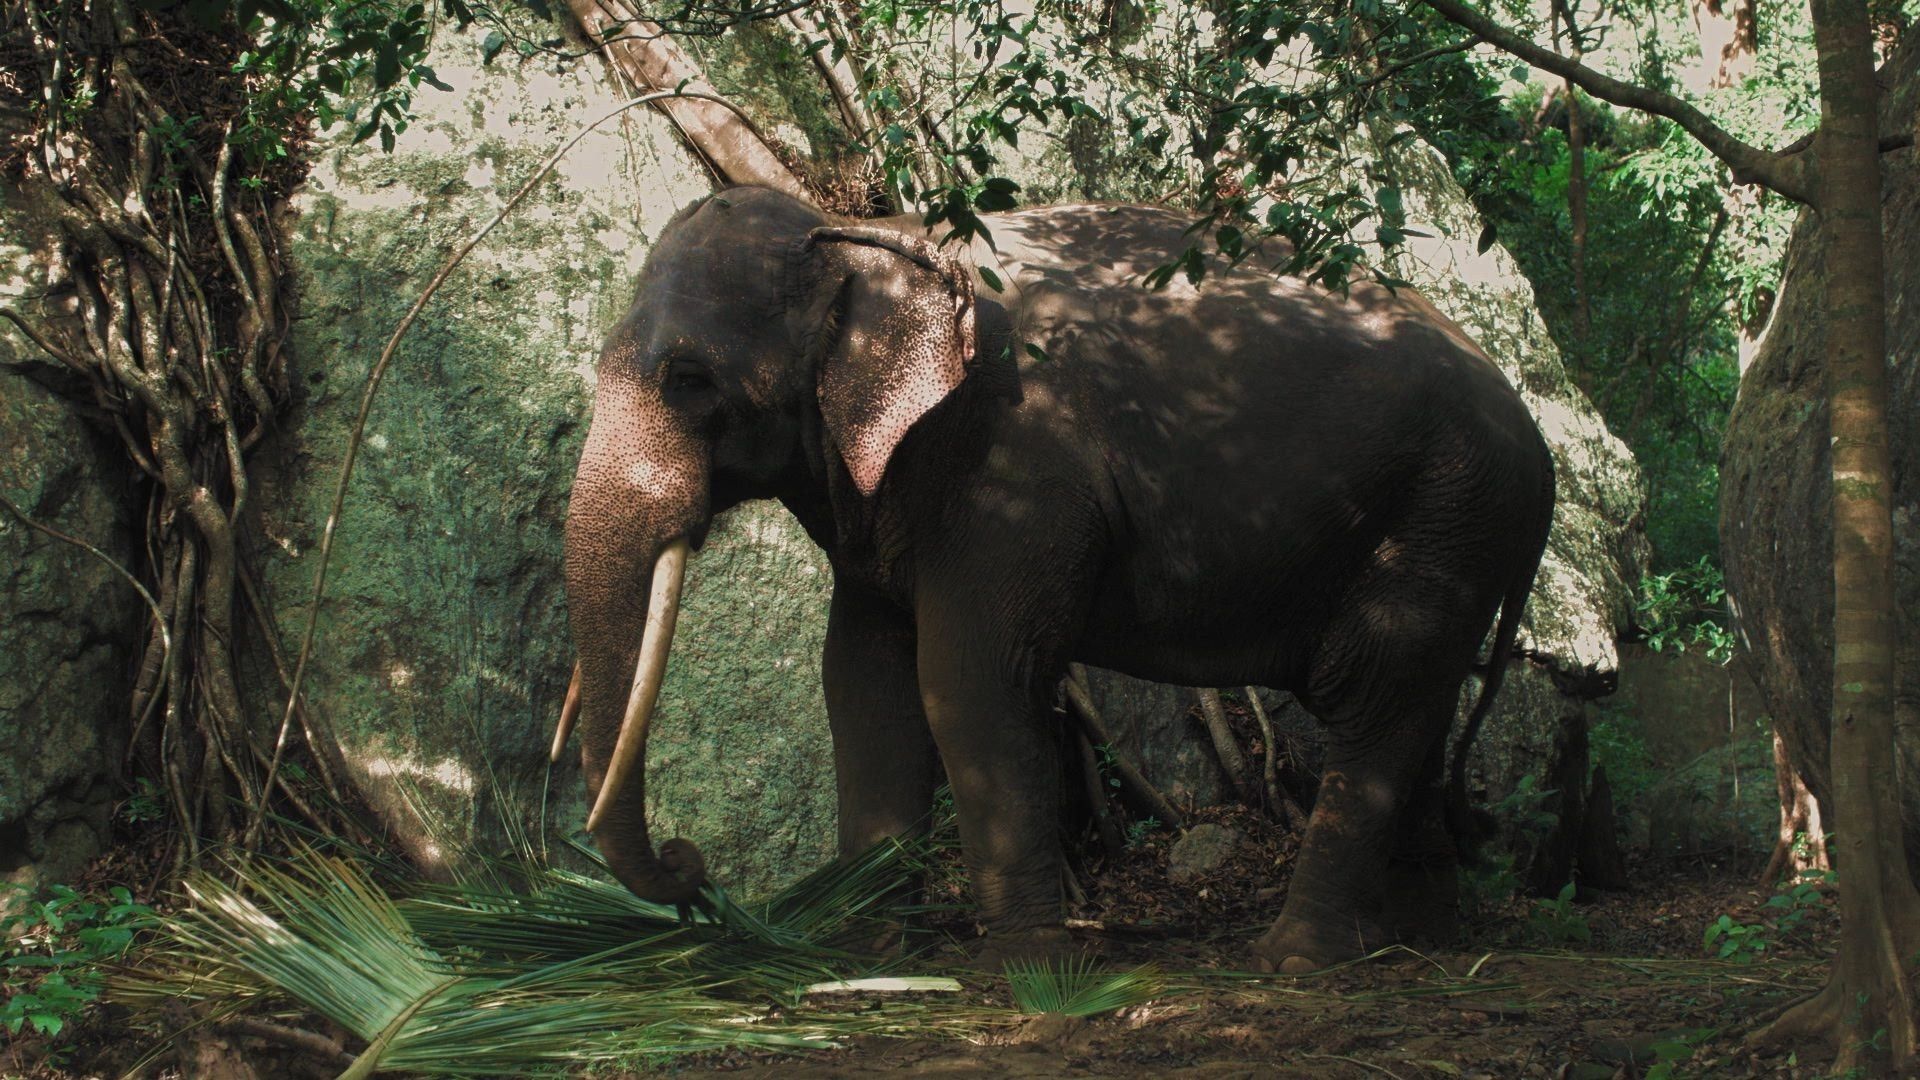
[1079, 986]
[530, 968]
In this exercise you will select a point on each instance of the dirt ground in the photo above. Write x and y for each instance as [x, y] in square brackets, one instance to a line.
[1619, 985]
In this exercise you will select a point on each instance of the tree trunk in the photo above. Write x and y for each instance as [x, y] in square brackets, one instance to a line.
[1576, 177]
[648, 59]
[1799, 815]
[1868, 1009]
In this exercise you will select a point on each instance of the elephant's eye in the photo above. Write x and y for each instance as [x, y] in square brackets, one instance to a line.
[686, 379]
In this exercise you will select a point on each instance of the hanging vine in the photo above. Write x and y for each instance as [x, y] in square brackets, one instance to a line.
[161, 142]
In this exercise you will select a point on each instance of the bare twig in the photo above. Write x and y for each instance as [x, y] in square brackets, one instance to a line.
[1145, 796]
[1225, 746]
[1277, 798]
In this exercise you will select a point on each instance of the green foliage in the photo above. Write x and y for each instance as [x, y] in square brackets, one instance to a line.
[1492, 880]
[1686, 608]
[1079, 986]
[1726, 939]
[1524, 808]
[1488, 883]
[1137, 831]
[1615, 743]
[353, 61]
[1241, 111]
[57, 946]
[1555, 922]
[1791, 905]
[147, 803]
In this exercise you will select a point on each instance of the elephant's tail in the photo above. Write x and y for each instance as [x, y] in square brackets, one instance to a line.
[1506, 632]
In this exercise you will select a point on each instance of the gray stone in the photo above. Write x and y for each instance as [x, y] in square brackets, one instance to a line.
[1203, 850]
[67, 621]
[1776, 536]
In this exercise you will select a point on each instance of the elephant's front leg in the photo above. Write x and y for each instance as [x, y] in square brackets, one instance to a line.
[987, 687]
[883, 753]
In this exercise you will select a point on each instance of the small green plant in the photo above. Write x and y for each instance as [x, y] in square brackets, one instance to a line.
[1079, 986]
[51, 972]
[1727, 939]
[1789, 908]
[1670, 1051]
[1556, 922]
[147, 803]
[1525, 807]
[1138, 831]
[1488, 883]
[1801, 898]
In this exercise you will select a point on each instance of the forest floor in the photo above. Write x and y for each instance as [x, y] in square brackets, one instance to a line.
[1619, 985]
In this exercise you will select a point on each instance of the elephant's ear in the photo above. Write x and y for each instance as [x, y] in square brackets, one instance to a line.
[892, 317]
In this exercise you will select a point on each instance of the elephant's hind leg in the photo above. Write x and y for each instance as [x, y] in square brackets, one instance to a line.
[1334, 908]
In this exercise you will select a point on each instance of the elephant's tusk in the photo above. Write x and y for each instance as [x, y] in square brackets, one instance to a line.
[569, 712]
[663, 607]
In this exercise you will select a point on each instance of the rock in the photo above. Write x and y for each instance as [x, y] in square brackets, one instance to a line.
[1204, 849]
[1775, 527]
[68, 623]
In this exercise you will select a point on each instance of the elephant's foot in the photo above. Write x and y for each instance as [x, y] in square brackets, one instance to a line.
[1308, 937]
[1038, 945]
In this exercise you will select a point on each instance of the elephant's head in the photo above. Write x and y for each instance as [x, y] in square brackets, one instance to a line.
[767, 346]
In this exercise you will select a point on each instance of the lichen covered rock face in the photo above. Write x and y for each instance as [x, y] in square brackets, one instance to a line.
[1776, 534]
[67, 620]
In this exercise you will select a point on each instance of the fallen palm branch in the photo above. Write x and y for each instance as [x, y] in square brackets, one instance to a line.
[559, 970]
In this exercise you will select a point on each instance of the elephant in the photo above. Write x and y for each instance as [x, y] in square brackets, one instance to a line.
[1016, 457]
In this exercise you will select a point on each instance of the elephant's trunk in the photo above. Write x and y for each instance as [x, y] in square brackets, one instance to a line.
[628, 533]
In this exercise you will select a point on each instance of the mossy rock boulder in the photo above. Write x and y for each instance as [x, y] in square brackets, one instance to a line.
[1776, 529]
[68, 622]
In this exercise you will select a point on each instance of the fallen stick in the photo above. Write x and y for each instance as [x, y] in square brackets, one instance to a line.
[1225, 747]
[1146, 798]
[1277, 798]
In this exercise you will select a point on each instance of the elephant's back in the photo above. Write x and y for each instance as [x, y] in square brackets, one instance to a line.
[1250, 405]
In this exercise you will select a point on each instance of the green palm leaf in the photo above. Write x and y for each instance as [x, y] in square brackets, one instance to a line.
[1079, 986]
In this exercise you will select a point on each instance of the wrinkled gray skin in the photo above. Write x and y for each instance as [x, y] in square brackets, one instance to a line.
[1254, 483]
